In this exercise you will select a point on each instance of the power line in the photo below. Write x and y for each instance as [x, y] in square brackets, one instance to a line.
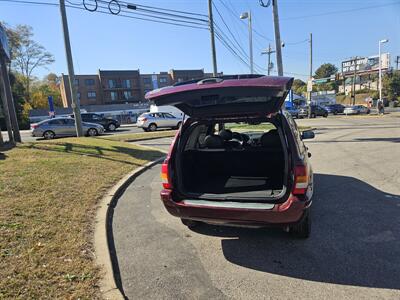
[339, 11]
[227, 27]
[167, 9]
[235, 14]
[154, 19]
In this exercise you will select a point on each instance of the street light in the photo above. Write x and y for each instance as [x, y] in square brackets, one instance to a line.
[247, 15]
[380, 70]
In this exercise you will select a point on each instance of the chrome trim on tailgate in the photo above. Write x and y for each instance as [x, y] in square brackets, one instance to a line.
[266, 206]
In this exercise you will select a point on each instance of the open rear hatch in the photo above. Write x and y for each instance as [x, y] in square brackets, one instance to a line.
[226, 174]
[222, 97]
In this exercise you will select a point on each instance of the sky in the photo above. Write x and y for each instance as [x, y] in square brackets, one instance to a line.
[341, 29]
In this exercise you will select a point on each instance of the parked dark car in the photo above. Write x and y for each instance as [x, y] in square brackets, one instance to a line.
[245, 176]
[293, 111]
[316, 111]
[335, 108]
[108, 123]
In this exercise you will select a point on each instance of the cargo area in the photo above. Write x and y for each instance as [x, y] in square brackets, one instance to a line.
[232, 165]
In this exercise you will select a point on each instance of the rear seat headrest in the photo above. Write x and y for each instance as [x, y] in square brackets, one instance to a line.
[270, 139]
[226, 134]
[237, 136]
[213, 141]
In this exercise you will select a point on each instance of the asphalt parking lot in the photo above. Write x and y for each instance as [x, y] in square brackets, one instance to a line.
[353, 252]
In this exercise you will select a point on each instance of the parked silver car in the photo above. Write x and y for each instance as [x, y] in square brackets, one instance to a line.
[59, 127]
[356, 110]
[152, 121]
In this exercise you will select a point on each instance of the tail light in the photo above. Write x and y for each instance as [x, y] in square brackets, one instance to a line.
[164, 175]
[300, 180]
[33, 126]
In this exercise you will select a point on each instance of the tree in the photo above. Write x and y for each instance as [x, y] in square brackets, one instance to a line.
[27, 54]
[299, 86]
[391, 85]
[42, 89]
[325, 70]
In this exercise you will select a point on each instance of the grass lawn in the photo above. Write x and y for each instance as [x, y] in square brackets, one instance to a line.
[132, 137]
[48, 196]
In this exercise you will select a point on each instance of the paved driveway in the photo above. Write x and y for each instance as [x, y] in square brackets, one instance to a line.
[353, 252]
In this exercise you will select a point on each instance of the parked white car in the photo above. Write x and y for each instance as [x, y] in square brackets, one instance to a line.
[356, 110]
[155, 120]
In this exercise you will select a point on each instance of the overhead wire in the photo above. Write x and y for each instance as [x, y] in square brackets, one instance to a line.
[154, 19]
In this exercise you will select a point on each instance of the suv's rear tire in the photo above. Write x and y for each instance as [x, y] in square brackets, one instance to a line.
[190, 223]
[112, 127]
[313, 115]
[49, 135]
[325, 115]
[152, 127]
[302, 229]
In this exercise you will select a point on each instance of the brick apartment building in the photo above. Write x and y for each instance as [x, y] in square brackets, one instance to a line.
[122, 86]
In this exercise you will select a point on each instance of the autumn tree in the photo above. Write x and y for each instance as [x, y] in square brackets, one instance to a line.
[325, 70]
[42, 89]
[26, 54]
[299, 86]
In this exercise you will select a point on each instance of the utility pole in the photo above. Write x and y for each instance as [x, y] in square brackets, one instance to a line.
[353, 89]
[10, 101]
[269, 51]
[397, 62]
[213, 51]
[6, 113]
[311, 75]
[74, 97]
[277, 38]
[251, 44]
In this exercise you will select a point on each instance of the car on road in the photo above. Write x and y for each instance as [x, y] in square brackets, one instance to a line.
[356, 110]
[153, 120]
[293, 111]
[108, 123]
[335, 108]
[316, 111]
[63, 126]
[256, 176]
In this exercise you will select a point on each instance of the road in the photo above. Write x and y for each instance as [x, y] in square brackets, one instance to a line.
[353, 252]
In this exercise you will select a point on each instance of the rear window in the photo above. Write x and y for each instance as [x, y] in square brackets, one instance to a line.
[234, 135]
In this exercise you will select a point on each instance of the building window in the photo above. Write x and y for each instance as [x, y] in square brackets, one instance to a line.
[91, 95]
[147, 80]
[76, 81]
[127, 94]
[163, 80]
[114, 96]
[126, 83]
[79, 95]
[89, 82]
[112, 83]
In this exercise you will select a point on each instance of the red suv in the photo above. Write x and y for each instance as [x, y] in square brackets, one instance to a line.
[238, 159]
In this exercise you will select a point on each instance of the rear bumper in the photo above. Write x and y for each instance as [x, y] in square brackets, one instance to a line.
[289, 212]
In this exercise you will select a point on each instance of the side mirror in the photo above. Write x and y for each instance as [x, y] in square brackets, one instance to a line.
[308, 134]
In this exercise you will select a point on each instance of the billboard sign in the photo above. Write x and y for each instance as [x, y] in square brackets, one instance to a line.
[365, 64]
[4, 47]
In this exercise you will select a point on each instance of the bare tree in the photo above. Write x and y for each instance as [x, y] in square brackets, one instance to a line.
[27, 54]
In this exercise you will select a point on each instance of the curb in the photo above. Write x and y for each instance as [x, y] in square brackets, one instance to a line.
[108, 285]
